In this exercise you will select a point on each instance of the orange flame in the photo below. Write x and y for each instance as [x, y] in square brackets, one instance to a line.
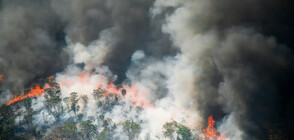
[1, 76]
[210, 132]
[111, 89]
[50, 78]
[33, 92]
[136, 98]
[139, 99]
[84, 77]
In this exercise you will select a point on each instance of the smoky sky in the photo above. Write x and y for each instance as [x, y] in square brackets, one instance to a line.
[31, 44]
[33, 40]
[252, 71]
[33, 35]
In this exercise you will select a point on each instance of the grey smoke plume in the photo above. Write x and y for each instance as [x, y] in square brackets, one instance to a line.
[31, 43]
[236, 70]
[33, 35]
[128, 21]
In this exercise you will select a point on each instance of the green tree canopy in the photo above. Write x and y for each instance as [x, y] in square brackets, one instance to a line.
[7, 123]
[53, 102]
[104, 134]
[184, 133]
[69, 130]
[131, 128]
[169, 128]
[88, 129]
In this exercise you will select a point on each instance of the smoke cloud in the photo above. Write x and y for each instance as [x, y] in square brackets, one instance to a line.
[236, 70]
[187, 59]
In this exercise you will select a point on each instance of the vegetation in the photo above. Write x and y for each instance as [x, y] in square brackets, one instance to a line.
[69, 130]
[7, 123]
[88, 130]
[17, 120]
[131, 128]
[104, 135]
[53, 101]
[183, 132]
[74, 100]
[169, 128]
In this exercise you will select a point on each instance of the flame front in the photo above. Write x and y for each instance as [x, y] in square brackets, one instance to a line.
[33, 92]
[210, 132]
[136, 98]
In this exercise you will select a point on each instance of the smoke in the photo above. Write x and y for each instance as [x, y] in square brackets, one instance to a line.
[179, 60]
[236, 70]
[31, 44]
[128, 21]
[33, 35]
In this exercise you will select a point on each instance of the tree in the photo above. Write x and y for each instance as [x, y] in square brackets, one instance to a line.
[97, 93]
[88, 129]
[105, 123]
[84, 100]
[7, 123]
[131, 128]
[67, 103]
[104, 134]
[74, 100]
[184, 133]
[101, 117]
[169, 128]
[80, 116]
[53, 101]
[69, 130]
[28, 114]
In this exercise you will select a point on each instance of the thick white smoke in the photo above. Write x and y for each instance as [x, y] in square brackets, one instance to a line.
[144, 89]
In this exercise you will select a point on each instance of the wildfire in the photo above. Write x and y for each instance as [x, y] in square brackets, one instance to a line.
[84, 77]
[1, 76]
[111, 89]
[210, 132]
[136, 98]
[139, 99]
[33, 92]
[50, 78]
